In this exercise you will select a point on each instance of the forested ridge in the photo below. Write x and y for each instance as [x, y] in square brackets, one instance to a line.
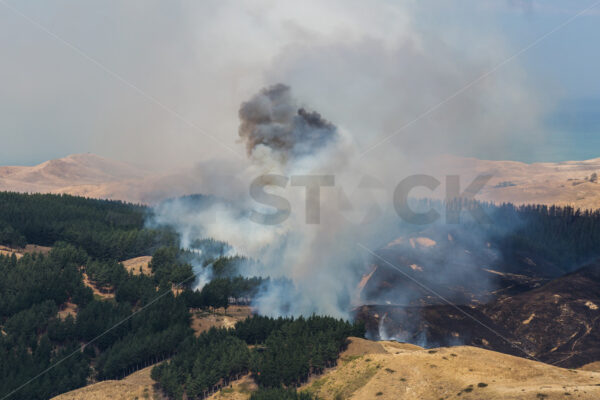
[109, 338]
[105, 229]
[115, 340]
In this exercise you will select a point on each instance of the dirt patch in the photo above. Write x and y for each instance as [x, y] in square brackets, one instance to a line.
[422, 242]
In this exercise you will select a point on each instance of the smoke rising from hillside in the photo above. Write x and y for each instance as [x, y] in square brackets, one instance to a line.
[320, 268]
[371, 75]
[322, 263]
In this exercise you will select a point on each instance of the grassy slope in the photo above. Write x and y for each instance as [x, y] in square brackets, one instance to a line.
[455, 372]
[138, 385]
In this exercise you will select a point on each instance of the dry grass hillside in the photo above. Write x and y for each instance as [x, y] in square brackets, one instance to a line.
[138, 385]
[70, 171]
[219, 318]
[594, 366]
[462, 372]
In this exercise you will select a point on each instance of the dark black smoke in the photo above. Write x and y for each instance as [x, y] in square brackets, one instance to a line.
[272, 118]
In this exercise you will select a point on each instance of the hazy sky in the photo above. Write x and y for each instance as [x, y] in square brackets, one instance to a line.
[160, 83]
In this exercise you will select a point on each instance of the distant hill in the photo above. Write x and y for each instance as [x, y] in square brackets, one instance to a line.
[78, 174]
[573, 183]
[93, 176]
[76, 169]
[563, 183]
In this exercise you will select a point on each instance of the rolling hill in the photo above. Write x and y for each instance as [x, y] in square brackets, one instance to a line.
[562, 183]
[86, 175]
[92, 176]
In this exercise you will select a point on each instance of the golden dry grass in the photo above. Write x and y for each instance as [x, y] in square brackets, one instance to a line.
[4, 251]
[456, 372]
[360, 347]
[138, 265]
[20, 252]
[594, 366]
[138, 385]
[220, 318]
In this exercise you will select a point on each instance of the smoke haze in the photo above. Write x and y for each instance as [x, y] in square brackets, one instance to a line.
[321, 263]
[371, 70]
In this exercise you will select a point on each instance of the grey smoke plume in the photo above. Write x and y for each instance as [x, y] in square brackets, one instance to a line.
[273, 119]
[322, 264]
[319, 263]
